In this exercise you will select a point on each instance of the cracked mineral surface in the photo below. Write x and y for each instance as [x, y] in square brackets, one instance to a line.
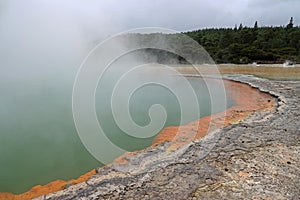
[258, 158]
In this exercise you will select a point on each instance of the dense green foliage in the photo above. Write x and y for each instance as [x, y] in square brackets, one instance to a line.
[231, 45]
[244, 44]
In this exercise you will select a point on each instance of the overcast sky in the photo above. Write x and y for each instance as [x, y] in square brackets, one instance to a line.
[194, 14]
[35, 32]
[122, 14]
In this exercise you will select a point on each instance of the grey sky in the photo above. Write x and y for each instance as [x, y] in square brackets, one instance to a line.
[35, 32]
[88, 15]
[194, 14]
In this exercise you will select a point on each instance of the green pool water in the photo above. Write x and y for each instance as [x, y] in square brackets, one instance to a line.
[38, 139]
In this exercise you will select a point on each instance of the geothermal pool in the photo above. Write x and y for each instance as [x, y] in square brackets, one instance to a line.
[38, 139]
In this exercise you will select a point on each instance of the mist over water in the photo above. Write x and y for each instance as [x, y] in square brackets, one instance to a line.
[42, 47]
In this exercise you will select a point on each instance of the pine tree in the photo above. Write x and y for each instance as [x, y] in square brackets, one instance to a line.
[255, 25]
[241, 26]
[235, 27]
[291, 24]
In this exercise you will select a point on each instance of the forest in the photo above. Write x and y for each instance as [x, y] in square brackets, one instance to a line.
[239, 45]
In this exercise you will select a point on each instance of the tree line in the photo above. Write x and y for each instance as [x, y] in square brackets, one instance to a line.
[239, 45]
[251, 44]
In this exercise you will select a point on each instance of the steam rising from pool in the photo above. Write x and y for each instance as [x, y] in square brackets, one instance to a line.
[40, 57]
[42, 45]
[120, 58]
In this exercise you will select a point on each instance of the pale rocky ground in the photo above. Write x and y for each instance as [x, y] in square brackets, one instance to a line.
[258, 158]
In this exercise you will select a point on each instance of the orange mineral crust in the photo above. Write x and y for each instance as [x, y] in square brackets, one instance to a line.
[39, 190]
[247, 101]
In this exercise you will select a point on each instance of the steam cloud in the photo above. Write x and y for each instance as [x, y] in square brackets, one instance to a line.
[42, 46]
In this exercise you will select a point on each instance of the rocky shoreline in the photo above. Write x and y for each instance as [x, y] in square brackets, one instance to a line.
[257, 158]
[247, 100]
